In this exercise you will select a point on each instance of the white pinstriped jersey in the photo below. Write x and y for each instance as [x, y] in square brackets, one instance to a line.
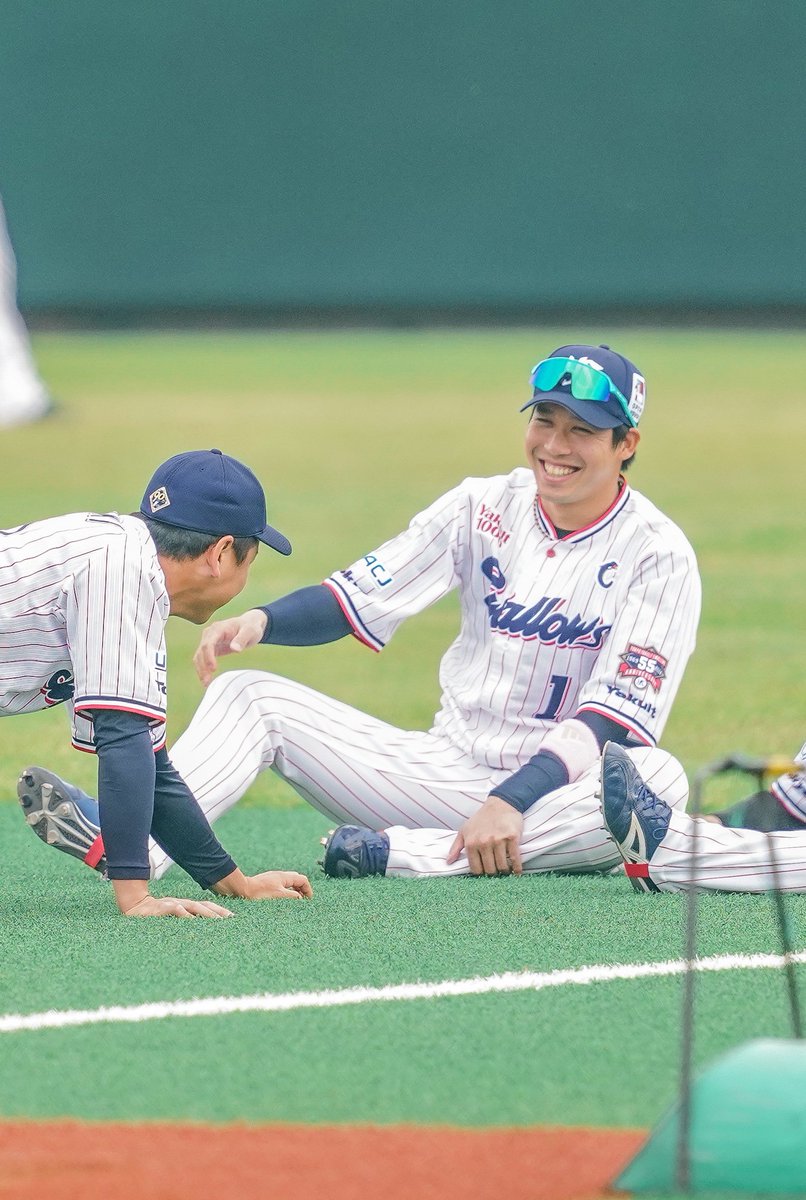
[83, 607]
[791, 789]
[602, 620]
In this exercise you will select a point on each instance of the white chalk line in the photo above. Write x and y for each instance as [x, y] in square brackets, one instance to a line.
[520, 981]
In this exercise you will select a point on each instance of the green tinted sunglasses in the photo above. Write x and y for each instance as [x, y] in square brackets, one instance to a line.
[587, 382]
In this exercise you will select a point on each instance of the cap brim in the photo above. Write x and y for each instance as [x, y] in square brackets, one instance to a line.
[592, 412]
[275, 539]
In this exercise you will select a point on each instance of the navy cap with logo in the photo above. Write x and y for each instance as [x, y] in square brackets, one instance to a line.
[595, 383]
[209, 492]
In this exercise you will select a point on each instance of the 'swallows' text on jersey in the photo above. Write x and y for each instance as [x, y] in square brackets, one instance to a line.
[542, 620]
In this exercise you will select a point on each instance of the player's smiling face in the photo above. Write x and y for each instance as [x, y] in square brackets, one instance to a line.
[576, 466]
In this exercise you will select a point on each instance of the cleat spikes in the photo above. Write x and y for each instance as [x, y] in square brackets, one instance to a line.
[60, 814]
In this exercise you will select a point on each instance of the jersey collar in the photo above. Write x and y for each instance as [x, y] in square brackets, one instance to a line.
[580, 535]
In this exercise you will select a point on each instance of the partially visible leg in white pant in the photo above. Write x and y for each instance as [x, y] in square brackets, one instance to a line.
[727, 860]
[356, 769]
[352, 767]
[564, 831]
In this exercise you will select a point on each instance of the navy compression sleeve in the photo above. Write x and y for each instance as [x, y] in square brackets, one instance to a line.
[604, 729]
[140, 793]
[544, 772]
[126, 774]
[308, 617]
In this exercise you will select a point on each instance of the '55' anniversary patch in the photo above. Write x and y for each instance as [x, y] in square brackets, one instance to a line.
[644, 665]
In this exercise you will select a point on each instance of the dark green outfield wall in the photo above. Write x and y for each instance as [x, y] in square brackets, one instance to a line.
[253, 153]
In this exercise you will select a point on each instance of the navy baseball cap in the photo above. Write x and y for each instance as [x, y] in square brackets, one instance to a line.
[209, 492]
[596, 384]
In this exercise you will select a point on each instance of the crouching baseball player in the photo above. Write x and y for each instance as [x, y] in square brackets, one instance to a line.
[579, 608]
[656, 838]
[84, 600]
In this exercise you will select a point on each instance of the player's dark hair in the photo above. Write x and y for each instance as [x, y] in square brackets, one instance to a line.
[619, 434]
[182, 544]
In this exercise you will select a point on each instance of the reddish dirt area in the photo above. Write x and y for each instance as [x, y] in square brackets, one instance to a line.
[68, 1160]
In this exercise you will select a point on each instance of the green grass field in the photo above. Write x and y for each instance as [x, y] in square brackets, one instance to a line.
[352, 433]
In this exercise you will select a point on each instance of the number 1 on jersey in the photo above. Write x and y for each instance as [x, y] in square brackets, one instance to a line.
[559, 689]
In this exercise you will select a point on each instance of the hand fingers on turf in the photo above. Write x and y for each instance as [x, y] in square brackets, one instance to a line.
[475, 860]
[502, 859]
[173, 908]
[489, 860]
[202, 908]
[515, 860]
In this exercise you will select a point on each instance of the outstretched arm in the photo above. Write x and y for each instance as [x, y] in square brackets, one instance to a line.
[310, 616]
[227, 637]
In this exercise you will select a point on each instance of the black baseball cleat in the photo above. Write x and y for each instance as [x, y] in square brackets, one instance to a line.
[62, 815]
[636, 818]
[352, 853]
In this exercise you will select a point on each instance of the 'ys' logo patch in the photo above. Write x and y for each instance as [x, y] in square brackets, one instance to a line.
[58, 688]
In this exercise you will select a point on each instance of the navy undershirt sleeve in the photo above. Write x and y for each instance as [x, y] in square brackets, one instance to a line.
[604, 729]
[544, 772]
[308, 617]
[142, 794]
[126, 775]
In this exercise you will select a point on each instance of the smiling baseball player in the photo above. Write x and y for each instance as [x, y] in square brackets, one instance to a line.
[579, 607]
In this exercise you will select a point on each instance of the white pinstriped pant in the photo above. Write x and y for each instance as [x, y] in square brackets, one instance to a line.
[358, 770]
[728, 860]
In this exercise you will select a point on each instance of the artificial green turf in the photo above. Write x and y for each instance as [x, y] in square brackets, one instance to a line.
[602, 1054]
[607, 1059]
[372, 931]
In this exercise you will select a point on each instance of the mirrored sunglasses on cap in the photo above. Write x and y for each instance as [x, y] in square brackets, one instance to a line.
[587, 382]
